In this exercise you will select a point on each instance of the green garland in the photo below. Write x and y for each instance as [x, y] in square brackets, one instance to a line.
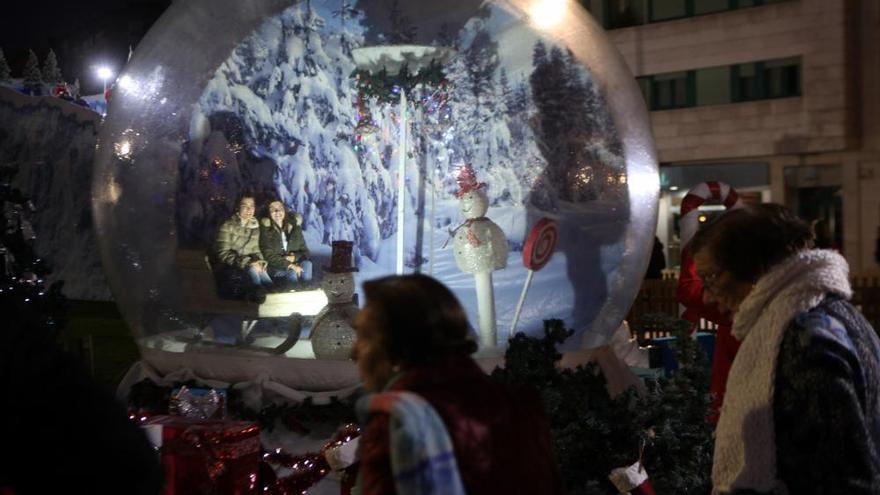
[593, 433]
[386, 87]
[146, 397]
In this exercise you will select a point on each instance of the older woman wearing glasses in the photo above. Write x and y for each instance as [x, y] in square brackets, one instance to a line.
[802, 409]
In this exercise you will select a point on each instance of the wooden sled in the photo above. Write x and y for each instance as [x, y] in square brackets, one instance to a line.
[199, 297]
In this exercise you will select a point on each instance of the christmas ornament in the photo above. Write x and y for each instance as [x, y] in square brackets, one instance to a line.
[480, 248]
[332, 334]
[198, 403]
[632, 480]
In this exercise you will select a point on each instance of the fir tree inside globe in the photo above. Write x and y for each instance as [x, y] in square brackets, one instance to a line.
[360, 117]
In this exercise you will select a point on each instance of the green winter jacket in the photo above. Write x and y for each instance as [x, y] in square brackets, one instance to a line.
[237, 245]
[273, 248]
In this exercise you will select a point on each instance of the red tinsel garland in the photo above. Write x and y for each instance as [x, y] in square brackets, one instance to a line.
[308, 469]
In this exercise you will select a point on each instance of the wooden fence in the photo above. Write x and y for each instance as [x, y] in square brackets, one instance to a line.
[658, 296]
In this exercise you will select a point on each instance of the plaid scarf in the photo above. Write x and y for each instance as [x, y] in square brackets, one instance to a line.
[422, 456]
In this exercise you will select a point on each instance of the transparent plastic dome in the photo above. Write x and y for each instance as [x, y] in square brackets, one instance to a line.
[328, 106]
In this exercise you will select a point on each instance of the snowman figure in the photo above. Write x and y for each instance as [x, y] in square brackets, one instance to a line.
[480, 248]
[332, 334]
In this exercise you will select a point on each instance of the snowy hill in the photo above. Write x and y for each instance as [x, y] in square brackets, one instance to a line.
[52, 144]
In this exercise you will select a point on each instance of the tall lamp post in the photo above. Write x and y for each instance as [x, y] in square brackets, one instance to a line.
[105, 73]
[397, 64]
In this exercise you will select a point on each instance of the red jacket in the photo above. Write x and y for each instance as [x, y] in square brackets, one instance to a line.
[501, 435]
[690, 295]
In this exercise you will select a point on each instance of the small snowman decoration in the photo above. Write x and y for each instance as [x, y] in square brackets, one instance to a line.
[332, 334]
[480, 248]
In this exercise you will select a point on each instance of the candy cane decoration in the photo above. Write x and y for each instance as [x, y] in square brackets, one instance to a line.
[701, 193]
[714, 192]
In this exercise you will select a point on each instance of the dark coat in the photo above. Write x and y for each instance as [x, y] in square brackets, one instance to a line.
[827, 403]
[500, 434]
[272, 247]
[60, 431]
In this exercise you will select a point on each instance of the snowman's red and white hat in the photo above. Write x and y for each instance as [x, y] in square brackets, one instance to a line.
[467, 181]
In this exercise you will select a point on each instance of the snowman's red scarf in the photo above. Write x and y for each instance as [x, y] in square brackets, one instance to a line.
[472, 238]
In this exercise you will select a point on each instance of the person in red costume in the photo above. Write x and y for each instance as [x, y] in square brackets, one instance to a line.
[691, 295]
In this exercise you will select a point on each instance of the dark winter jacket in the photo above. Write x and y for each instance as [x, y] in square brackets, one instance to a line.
[827, 403]
[501, 435]
[60, 431]
[237, 245]
[802, 411]
[272, 247]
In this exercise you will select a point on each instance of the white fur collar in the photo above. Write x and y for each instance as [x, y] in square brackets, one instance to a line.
[251, 222]
[745, 445]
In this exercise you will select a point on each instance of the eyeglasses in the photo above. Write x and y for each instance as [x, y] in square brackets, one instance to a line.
[710, 282]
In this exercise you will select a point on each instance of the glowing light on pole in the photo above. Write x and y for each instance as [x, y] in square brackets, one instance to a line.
[105, 73]
[546, 14]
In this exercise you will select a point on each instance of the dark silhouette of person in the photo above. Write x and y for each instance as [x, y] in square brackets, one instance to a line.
[62, 432]
[658, 261]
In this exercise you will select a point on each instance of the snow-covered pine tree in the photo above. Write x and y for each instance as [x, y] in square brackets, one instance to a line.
[482, 134]
[564, 123]
[504, 84]
[445, 36]
[33, 78]
[289, 84]
[51, 72]
[5, 71]
[345, 12]
[402, 29]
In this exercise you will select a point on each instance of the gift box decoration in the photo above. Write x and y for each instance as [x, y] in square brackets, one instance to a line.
[206, 456]
[199, 403]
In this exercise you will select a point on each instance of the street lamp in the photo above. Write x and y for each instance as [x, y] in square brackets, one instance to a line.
[105, 73]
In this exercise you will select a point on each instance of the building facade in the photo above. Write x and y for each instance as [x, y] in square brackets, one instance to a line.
[779, 98]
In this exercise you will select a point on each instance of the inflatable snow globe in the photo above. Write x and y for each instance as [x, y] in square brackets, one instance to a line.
[261, 159]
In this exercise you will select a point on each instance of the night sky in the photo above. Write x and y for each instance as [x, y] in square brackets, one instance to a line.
[84, 34]
[92, 33]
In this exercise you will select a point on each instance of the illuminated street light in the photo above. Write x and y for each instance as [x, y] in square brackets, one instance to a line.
[105, 73]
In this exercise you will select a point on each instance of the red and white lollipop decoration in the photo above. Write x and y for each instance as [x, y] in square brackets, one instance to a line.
[537, 251]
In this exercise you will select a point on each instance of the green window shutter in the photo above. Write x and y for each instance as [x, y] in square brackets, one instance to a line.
[691, 88]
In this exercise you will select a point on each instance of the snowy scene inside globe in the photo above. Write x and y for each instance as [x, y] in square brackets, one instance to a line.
[375, 126]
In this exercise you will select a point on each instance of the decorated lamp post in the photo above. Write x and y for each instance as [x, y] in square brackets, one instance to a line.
[480, 248]
[398, 69]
